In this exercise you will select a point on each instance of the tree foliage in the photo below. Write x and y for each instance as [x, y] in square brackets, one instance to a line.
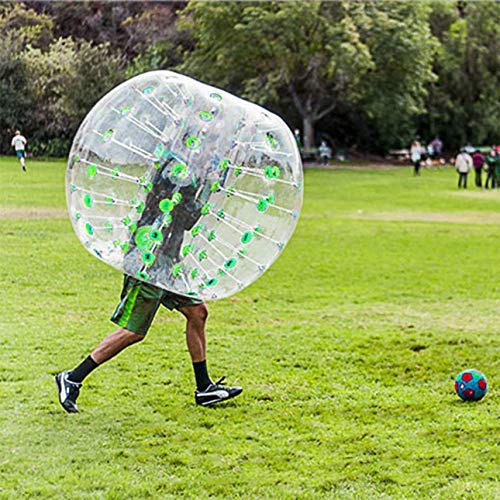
[369, 75]
[310, 52]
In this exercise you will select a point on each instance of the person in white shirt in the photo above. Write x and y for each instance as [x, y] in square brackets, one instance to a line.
[19, 143]
[463, 165]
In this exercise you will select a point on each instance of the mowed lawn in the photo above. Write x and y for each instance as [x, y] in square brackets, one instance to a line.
[346, 348]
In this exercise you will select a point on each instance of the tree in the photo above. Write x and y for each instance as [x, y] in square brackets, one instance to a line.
[67, 80]
[395, 90]
[310, 52]
[464, 103]
[16, 99]
[18, 28]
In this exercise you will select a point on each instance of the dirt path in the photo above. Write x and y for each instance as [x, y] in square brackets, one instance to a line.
[35, 213]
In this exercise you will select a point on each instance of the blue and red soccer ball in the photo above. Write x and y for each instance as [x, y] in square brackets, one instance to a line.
[471, 385]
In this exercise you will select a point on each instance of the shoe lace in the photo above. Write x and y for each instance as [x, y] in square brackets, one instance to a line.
[220, 381]
[73, 388]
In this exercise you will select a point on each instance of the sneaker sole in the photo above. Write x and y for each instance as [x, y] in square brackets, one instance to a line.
[215, 401]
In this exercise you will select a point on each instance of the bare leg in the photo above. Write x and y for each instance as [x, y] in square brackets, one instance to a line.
[196, 317]
[113, 344]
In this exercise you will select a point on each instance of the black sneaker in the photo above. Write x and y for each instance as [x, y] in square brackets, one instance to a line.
[68, 392]
[216, 393]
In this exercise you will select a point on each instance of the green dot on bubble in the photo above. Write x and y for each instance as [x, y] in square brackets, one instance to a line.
[230, 263]
[179, 171]
[143, 275]
[186, 249]
[133, 227]
[148, 186]
[270, 198]
[89, 229]
[193, 143]
[148, 90]
[246, 237]
[231, 190]
[276, 172]
[176, 270]
[196, 230]
[126, 220]
[211, 282]
[106, 137]
[72, 188]
[220, 213]
[194, 273]
[78, 215]
[206, 209]
[140, 207]
[242, 252]
[125, 246]
[237, 171]
[202, 255]
[125, 110]
[176, 198]
[148, 257]
[224, 164]
[92, 171]
[116, 172]
[211, 235]
[215, 186]
[167, 219]
[87, 201]
[216, 96]
[257, 228]
[143, 238]
[166, 205]
[262, 205]
[117, 243]
[206, 116]
[109, 226]
[268, 171]
[157, 165]
[109, 200]
[271, 140]
[156, 235]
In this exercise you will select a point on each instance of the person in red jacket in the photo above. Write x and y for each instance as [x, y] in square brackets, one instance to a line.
[478, 162]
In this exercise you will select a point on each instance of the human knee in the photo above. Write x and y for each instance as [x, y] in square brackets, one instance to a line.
[197, 313]
[130, 337]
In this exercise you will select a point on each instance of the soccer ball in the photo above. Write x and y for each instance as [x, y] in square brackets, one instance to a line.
[471, 385]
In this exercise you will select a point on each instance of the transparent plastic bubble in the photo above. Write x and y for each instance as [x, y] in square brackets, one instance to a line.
[183, 185]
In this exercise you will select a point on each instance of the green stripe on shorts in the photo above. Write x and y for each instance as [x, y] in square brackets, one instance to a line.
[129, 306]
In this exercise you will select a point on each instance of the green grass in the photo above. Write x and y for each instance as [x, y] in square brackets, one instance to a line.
[347, 349]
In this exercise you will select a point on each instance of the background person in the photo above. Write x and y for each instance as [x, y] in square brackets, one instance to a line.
[497, 170]
[463, 165]
[416, 155]
[19, 143]
[325, 153]
[478, 162]
[437, 147]
[491, 163]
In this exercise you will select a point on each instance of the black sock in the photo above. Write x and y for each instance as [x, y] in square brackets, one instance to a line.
[201, 375]
[82, 370]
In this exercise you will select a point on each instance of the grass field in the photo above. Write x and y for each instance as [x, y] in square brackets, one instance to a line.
[346, 348]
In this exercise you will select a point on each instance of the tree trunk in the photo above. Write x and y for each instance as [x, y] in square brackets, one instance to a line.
[308, 124]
